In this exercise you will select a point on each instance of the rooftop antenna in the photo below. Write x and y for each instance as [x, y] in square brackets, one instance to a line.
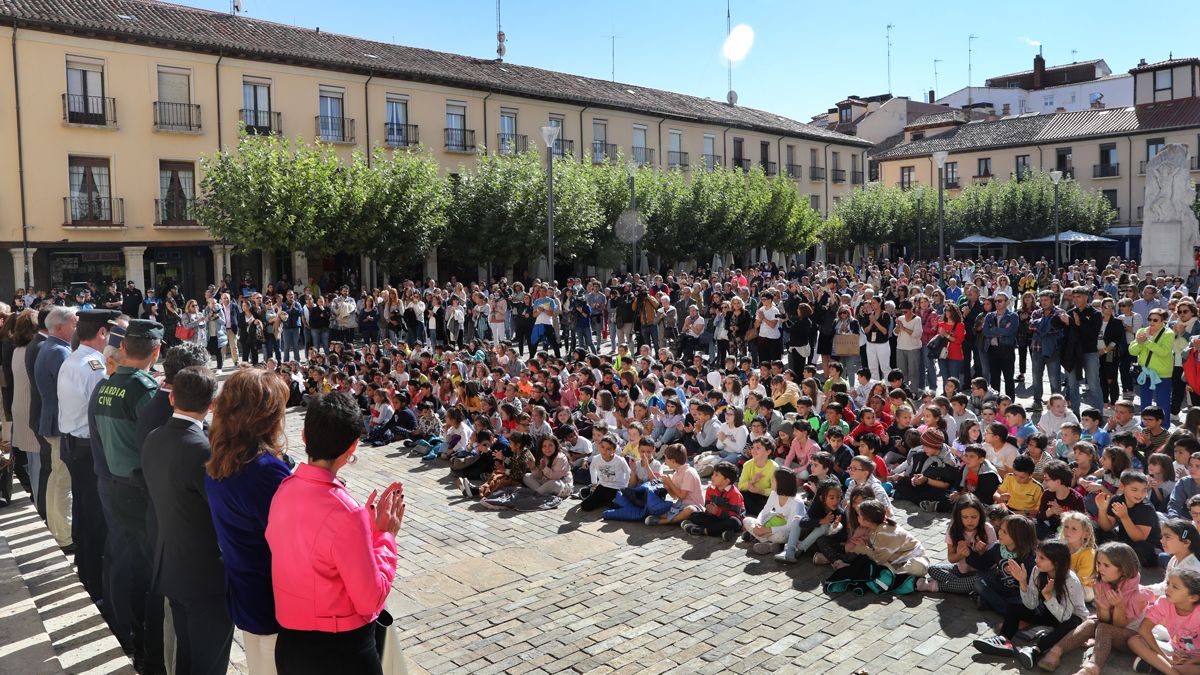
[235, 6]
[890, 26]
[501, 50]
[731, 96]
[970, 52]
[1073, 53]
[936, 89]
[613, 46]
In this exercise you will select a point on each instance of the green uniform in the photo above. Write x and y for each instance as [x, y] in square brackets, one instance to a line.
[120, 401]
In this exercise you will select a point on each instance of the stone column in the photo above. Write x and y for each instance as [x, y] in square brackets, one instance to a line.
[268, 270]
[364, 272]
[431, 266]
[227, 256]
[299, 267]
[219, 268]
[18, 256]
[135, 266]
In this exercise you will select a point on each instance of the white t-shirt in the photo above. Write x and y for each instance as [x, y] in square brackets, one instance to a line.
[768, 314]
[903, 339]
[1004, 458]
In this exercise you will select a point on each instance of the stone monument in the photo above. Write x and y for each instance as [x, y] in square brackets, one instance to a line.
[1169, 227]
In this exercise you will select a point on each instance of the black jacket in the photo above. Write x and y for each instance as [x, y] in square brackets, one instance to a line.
[187, 561]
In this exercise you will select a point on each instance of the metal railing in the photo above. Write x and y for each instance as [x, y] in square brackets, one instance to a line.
[261, 122]
[98, 111]
[401, 135]
[769, 168]
[335, 129]
[643, 156]
[837, 175]
[951, 183]
[177, 116]
[602, 151]
[563, 147]
[678, 158]
[711, 161]
[460, 140]
[816, 173]
[906, 184]
[511, 144]
[795, 171]
[742, 163]
[1106, 170]
[1195, 164]
[175, 211]
[856, 177]
[85, 211]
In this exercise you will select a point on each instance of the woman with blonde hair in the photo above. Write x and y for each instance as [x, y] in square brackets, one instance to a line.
[243, 474]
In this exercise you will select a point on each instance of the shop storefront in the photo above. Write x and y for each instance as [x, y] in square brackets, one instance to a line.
[75, 268]
[188, 267]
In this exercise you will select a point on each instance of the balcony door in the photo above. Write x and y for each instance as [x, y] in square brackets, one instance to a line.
[332, 114]
[256, 106]
[85, 92]
[397, 122]
[456, 127]
[90, 199]
[176, 191]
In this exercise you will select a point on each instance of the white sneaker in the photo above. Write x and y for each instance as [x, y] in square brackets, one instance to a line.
[464, 486]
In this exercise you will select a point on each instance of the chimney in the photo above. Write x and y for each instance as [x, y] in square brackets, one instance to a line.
[932, 98]
[1039, 71]
[1142, 62]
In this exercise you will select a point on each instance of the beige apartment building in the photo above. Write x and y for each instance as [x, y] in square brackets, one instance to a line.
[1105, 150]
[107, 107]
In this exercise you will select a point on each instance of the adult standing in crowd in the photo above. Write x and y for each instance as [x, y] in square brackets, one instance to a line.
[230, 313]
[333, 561]
[187, 567]
[291, 319]
[131, 300]
[41, 464]
[60, 329]
[20, 433]
[1080, 350]
[241, 479]
[1000, 337]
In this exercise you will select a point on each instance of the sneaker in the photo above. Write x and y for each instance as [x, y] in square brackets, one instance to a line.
[763, 548]
[748, 538]
[429, 457]
[1140, 666]
[690, 527]
[995, 646]
[1027, 657]
[929, 505]
[820, 559]
[786, 558]
[1033, 633]
[464, 486]
[651, 520]
[729, 535]
[927, 585]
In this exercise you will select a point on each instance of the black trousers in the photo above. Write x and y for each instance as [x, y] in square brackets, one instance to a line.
[715, 525]
[117, 610]
[203, 635]
[754, 502]
[43, 477]
[1001, 361]
[916, 494]
[303, 652]
[131, 512]
[599, 497]
[1038, 617]
[88, 528]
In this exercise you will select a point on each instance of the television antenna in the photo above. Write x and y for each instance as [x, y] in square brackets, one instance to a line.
[970, 52]
[890, 26]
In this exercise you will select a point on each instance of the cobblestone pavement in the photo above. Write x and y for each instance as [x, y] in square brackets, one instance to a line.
[559, 591]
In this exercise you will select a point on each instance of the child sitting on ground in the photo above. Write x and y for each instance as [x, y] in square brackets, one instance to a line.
[997, 585]
[683, 484]
[886, 544]
[801, 450]
[510, 468]
[969, 533]
[551, 473]
[769, 529]
[609, 474]
[1177, 611]
[1019, 492]
[755, 480]
[1080, 536]
[821, 517]
[723, 506]
[833, 548]
[1129, 518]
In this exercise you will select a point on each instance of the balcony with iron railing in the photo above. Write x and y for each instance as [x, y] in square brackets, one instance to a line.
[261, 122]
[856, 178]
[335, 129]
[907, 184]
[794, 170]
[816, 173]
[838, 175]
[175, 212]
[1106, 170]
[511, 144]
[951, 183]
[563, 147]
[459, 140]
[676, 158]
[769, 168]
[742, 163]
[90, 211]
[401, 135]
[983, 177]
[94, 111]
[711, 161]
[176, 116]
[643, 156]
[603, 152]
[1194, 164]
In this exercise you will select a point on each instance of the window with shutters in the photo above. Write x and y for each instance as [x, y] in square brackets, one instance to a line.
[85, 102]
[174, 109]
[176, 192]
[331, 123]
[90, 200]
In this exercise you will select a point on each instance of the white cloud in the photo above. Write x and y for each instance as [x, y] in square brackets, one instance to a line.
[1030, 41]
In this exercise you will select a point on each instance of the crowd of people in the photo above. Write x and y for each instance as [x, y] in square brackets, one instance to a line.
[819, 402]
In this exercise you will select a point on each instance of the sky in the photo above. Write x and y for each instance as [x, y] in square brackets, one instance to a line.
[805, 56]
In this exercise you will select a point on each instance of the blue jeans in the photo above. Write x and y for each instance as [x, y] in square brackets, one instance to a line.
[585, 340]
[34, 466]
[319, 339]
[929, 370]
[995, 599]
[952, 368]
[795, 545]
[1050, 364]
[650, 336]
[271, 347]
[1091, 372]
[291, 344]
[1159, 396]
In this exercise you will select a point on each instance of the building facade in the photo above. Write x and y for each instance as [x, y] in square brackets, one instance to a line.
[1105, 150]
[108, 108]
[1065, 88]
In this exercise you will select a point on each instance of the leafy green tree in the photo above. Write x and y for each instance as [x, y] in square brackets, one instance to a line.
[1024, 209]
[395, 209]
[877, 215]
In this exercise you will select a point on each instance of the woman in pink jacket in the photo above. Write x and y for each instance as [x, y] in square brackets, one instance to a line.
[332, 560]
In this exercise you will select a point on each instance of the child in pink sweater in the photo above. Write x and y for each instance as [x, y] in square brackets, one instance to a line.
[802, 450]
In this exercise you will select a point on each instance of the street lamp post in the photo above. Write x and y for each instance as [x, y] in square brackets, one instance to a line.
[1055, 177]
[550, 135]
[940, 158]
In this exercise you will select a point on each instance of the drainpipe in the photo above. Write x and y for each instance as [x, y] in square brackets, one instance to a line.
[217, 68]
[485, 135]
[367, 120]
[779, 167]
[724, 148]
[660, 152]
[581, 111]
[20, 160]
[825, 153]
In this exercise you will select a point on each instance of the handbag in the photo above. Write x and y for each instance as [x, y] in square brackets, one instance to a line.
[387, 644]
[937, 347]
[184, 333]
[845, 345]
[751, 334]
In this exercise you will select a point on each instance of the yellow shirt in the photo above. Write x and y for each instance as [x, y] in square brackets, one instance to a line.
[1022, 496]
[764, 475]
[631, 450]
[1083, 564]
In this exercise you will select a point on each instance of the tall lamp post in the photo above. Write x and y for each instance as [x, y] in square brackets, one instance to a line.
[550, 135]
[1055, 177]
[940, 158]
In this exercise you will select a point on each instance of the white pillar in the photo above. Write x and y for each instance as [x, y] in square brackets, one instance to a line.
[219, 268]
[299, 268]
[431, 266]
[18, 256]
[268, 272]
[135, 266]
[364, 268]
[227, 257]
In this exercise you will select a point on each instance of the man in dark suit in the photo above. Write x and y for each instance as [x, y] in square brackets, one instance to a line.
[158, 410]
[187, 566]
[39, 463]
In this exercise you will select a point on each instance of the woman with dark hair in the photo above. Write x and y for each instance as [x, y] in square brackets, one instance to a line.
[334, 560]
[20, 434]
[242, 477]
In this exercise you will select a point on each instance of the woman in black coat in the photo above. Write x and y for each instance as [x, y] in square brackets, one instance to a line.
[1113, 350]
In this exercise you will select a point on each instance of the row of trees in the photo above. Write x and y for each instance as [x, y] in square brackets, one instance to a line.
[279, 193]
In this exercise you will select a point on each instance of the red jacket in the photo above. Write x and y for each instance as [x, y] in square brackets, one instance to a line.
[878, 429]
[955, 349]
[729, 502]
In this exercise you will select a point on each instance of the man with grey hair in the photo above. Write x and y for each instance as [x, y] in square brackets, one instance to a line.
[1000, 340]
[60, 328]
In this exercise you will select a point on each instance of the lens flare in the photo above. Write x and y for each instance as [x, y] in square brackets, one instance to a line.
[739, 42]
